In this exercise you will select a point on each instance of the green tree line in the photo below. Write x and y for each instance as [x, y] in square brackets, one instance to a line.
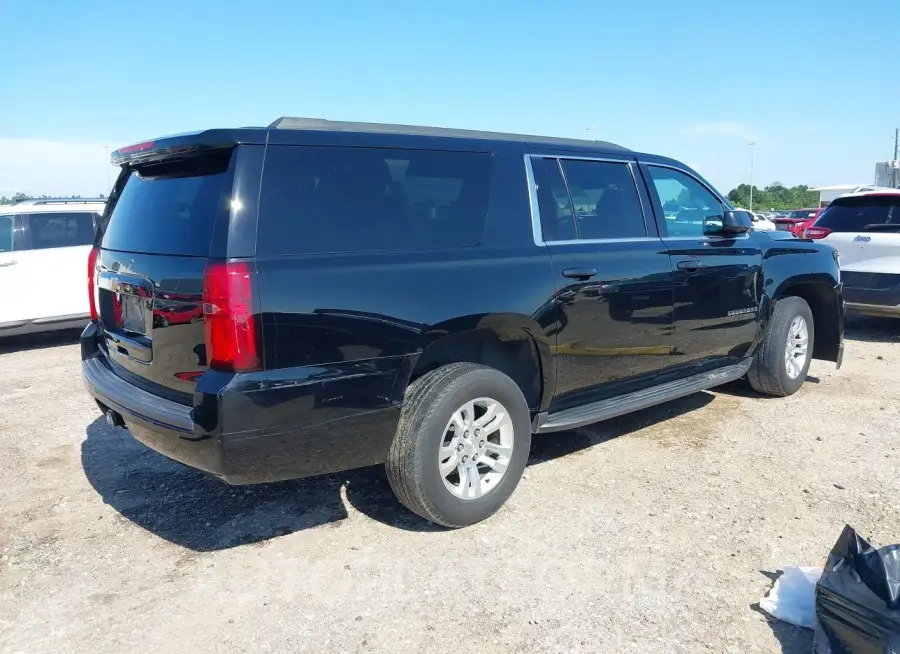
[774, 196]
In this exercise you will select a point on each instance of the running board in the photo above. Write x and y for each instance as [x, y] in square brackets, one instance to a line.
[617, 406]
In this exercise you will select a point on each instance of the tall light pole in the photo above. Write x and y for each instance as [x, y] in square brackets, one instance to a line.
[106, 165]
[752, 145]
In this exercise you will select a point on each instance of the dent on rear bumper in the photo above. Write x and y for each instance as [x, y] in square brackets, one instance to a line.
[268, 426]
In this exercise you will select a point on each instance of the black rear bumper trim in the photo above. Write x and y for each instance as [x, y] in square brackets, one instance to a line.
[118, 394]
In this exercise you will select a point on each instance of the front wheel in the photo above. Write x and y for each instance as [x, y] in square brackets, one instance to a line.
[461, 445]
[782, 360]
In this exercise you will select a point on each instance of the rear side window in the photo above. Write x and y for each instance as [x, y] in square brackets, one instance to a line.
[862, 214]
[334, 199]
[6, 234]
[60, 230]
[170, 207]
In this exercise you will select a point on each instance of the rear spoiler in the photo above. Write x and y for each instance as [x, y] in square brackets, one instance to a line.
[185, 144]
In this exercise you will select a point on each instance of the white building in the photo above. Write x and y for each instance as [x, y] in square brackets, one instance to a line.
[829, 193]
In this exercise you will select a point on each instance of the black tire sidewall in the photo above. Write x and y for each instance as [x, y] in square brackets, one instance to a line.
[481, 383]
[791, 309]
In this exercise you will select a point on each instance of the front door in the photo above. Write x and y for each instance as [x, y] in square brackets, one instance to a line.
[13, 289]
[718, 282]
[612, 275]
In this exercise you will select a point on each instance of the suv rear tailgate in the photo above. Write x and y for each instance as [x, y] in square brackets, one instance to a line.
[163, 222]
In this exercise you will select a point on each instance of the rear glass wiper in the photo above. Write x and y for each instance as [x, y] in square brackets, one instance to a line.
[881, 226]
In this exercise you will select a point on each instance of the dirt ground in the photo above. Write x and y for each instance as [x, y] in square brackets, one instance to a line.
[655, 532]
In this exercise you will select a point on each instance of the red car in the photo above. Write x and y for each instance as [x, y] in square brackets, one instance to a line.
[796, 221]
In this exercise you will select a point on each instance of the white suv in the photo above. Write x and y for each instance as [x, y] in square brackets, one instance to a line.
[865, 230]
[44, 248]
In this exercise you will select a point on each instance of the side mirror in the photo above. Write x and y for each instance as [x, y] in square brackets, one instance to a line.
[732, 223]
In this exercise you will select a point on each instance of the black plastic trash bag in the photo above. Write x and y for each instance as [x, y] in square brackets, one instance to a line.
[858, 599]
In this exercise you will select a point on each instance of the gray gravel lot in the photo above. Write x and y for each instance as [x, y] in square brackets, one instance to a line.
[655, 532]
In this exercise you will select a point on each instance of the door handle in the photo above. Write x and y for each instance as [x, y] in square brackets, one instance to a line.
[579, 273]
[4, 264]
[690, 266]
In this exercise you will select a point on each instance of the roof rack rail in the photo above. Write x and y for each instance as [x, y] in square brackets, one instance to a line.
[322, 124]
[45, 201]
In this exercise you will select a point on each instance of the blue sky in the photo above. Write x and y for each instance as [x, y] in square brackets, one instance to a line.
[814, 83]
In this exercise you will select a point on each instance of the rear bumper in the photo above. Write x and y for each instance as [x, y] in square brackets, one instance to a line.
[874, 309]
[260, 427]
[872, 294]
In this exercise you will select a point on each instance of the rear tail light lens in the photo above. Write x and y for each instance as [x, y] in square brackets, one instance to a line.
[816, 232]
[92, 282]
[231, 335]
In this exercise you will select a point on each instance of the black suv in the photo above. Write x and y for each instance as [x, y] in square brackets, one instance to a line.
[274, 303]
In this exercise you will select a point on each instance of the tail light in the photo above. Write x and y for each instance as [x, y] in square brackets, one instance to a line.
[232, 341]
[816, 232]
[92, 282]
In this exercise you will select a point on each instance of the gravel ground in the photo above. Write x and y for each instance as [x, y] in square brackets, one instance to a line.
[656, 532]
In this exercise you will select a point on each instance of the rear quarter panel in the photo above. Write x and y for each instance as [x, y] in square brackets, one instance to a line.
[342, 332]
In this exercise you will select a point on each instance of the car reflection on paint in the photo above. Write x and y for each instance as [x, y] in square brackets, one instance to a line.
[166, 313]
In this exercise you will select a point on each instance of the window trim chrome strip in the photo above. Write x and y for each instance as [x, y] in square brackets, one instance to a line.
[536, 227]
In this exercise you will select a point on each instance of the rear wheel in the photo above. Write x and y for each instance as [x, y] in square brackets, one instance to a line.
[782, 360]
[461, 446]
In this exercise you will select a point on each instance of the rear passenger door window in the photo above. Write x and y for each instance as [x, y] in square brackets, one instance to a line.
[60, 230]
[587, 200]
[348, 199]
[605, 200]
[554, 203]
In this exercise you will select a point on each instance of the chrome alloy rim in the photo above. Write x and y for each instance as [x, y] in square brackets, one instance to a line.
[476, 448]
[797, 347]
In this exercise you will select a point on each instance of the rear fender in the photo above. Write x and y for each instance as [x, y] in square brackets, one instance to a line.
[513, 343]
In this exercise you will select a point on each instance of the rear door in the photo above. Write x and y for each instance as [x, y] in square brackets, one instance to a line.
[57, 245]
[612, 275]
[164, 221]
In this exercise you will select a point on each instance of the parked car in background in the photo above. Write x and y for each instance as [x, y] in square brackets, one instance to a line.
[758, 221]
[427, 298]
[761, 223]
[796, 221]
[865, 229]
[44, 247]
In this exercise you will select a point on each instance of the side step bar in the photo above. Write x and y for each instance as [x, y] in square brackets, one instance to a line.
[617, 406]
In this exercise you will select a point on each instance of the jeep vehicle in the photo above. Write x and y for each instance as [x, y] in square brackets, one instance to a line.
[43, 244]
[865, 229]
[426, 298]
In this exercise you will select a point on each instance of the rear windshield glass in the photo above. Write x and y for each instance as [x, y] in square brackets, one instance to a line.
[170, 207]
[805, 213]
[333, 199]
[862, 214]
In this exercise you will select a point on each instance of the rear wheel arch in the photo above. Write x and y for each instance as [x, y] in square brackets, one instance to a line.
[510, 345]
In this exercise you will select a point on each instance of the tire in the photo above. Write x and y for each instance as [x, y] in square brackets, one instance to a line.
[413, 463]
[769, 373]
